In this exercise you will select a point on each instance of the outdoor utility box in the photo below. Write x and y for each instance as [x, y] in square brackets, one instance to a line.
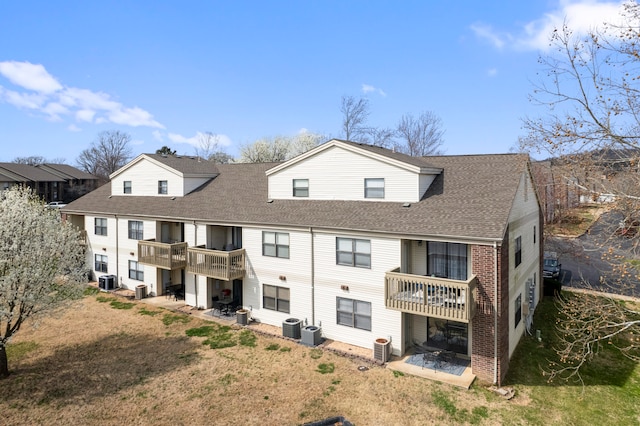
[141, 291]
[107, 282]
[382, 350]
[311, 335]
[291, 328]
[242, 316]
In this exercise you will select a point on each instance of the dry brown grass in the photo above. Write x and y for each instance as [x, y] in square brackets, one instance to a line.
[100, 365]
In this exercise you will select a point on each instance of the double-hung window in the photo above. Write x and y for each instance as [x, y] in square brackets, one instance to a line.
[518, 310]
[301, 187]
[275, 298]
[353, 313]
[136, 271]
[135, 230]
[163, 187]
[374, 188]
[101, 263]
[353, 252]
[518, 251]
[275, 244]
[100, 224]
[126, 187]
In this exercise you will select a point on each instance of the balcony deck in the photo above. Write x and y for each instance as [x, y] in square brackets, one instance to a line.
[162, 255]
[431, 296]
[218, 264]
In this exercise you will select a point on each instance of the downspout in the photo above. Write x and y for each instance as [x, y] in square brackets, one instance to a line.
[117, 253]
[313, 281]
[495, 315]
[195, 276]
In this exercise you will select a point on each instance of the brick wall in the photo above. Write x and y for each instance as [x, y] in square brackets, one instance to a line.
[483, 260]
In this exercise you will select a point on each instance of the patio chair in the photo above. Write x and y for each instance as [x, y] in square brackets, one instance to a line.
[216, 306]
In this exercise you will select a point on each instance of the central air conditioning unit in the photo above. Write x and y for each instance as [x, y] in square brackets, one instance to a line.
[107, 282]
[382, 350]
[291, 328]
[311, 335]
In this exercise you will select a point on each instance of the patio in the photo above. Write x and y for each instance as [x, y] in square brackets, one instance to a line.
[456, 371]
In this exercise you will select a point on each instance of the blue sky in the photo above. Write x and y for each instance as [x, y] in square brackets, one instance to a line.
[163, 71]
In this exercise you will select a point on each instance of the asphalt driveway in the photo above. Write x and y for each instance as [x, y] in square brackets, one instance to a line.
[587, 260]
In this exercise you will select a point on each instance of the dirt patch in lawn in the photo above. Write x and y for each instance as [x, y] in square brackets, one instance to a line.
[99, 363]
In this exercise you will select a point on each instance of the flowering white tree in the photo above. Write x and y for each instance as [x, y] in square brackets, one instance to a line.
[41, 263]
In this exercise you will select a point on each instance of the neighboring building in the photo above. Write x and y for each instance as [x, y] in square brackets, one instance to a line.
[76, 182]
[364, 242]
[52, 182]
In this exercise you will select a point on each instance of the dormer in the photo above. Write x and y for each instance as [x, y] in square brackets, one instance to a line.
[342, 170]
[162, 175]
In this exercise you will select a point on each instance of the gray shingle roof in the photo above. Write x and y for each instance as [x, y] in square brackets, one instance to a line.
[471, 198]
[30, 172]
[66, 171]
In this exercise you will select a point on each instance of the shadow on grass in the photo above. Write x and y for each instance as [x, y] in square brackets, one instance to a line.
[85, 372]
[532, 359]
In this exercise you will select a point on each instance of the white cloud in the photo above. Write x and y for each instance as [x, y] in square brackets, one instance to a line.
[223, 140]
[29, 76]
[43, 93]
[492, 72]
[580, 15]
[157, 135]
[133, 117]
[85, 115]
[73, 128]
[367, 88]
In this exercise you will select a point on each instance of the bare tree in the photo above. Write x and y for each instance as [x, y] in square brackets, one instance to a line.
[355, 113]
[41, 264]
[109, 152]
[420, 135]
[208, 144]
[590, 93]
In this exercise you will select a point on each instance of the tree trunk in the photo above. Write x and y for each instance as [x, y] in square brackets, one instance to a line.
[4, 365]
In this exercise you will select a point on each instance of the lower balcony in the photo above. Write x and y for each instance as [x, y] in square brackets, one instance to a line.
[218, 264]
[431, 296]
[162, 255]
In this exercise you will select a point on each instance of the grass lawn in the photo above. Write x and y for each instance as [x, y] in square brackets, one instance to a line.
[109, 362]
[575, 221]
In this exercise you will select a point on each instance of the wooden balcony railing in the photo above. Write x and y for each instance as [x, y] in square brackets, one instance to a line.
[162, 255]
[431, 296]
[222, 265]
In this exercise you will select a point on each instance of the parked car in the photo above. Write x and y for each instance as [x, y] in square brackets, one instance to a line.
[56, 205]
[551, 266]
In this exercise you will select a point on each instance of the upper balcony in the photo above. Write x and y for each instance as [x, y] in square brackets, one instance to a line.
[162, 255]
[431, 296]
[218, 264]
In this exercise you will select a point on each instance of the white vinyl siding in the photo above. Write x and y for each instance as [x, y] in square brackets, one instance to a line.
[523, 267]
[144, 176]
[401, 185]
[293, 273]
[365, 285]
